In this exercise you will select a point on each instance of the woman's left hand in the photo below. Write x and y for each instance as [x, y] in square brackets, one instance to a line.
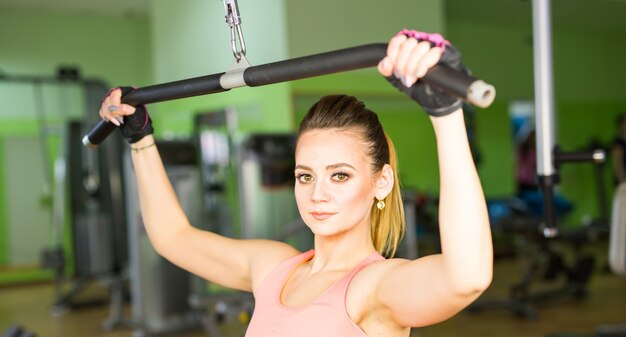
[408, 59]
[410, 54]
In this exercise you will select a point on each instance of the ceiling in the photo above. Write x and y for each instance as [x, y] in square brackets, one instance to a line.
[107, 7]
[606, 15]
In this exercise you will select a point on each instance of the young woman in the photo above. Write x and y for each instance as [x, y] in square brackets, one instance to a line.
[348, 195]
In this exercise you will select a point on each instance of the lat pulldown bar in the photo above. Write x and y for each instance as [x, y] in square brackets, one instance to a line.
[467, 87]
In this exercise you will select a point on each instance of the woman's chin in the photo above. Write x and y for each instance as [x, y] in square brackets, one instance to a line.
[322, 229]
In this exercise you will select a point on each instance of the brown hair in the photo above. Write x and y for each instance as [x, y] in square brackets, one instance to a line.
[347, 113]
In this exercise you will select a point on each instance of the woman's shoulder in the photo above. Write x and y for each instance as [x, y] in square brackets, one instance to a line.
[370, 276]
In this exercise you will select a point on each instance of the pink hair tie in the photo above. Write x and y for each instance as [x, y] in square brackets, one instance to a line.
[435, 39]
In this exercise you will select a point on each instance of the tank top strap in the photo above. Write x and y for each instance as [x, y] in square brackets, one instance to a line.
[340, 289]
[374, 257]
[273, 282]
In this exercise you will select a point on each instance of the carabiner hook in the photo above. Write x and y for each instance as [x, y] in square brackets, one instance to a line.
[234, 22]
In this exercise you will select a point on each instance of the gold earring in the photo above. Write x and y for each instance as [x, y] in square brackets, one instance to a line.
[380, 204]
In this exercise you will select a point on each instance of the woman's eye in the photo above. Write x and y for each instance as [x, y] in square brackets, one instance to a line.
[340, 177]
[304, 178]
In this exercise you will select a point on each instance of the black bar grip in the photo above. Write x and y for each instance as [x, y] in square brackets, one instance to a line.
[315, 65]
[203, 85]
[98, 133]
[443, 77]
[457, 83]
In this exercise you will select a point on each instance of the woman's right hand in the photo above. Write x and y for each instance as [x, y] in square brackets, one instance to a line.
[112, 108]
[134, 122]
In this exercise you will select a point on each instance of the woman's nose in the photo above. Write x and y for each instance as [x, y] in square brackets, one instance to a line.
[319, 193]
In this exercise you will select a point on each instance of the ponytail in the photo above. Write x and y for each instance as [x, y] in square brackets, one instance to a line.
[388, 225]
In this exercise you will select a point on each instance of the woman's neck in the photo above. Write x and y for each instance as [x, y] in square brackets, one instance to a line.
[342, 251]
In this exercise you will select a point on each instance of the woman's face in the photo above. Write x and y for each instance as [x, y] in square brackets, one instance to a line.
[334, 185]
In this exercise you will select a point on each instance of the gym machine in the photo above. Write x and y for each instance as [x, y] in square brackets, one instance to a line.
[89, 183]
[159, 289]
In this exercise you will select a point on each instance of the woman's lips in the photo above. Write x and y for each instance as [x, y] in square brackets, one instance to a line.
[319, 216]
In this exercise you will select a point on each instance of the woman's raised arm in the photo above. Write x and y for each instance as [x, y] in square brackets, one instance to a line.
[238, 264]
[434, 288]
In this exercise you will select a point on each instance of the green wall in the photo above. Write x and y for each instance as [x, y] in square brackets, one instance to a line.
[317, 26]
[115, 49]
[191, 39]
[4, 234]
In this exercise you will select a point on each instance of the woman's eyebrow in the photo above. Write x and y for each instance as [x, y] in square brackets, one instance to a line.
[338, 165]
[329, 167]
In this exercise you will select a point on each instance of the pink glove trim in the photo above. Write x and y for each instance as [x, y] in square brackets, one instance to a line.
[147, 119]
[436, 39]
[108, 94]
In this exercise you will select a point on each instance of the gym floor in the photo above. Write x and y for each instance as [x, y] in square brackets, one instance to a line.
[28, 306]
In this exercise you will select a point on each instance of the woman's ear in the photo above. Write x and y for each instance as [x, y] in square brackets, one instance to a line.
[385, 182]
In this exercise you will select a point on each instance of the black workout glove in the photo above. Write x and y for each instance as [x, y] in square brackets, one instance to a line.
[434, 101]
[137, 125]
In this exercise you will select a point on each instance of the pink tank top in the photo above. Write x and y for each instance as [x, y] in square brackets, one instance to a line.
[325, 316]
